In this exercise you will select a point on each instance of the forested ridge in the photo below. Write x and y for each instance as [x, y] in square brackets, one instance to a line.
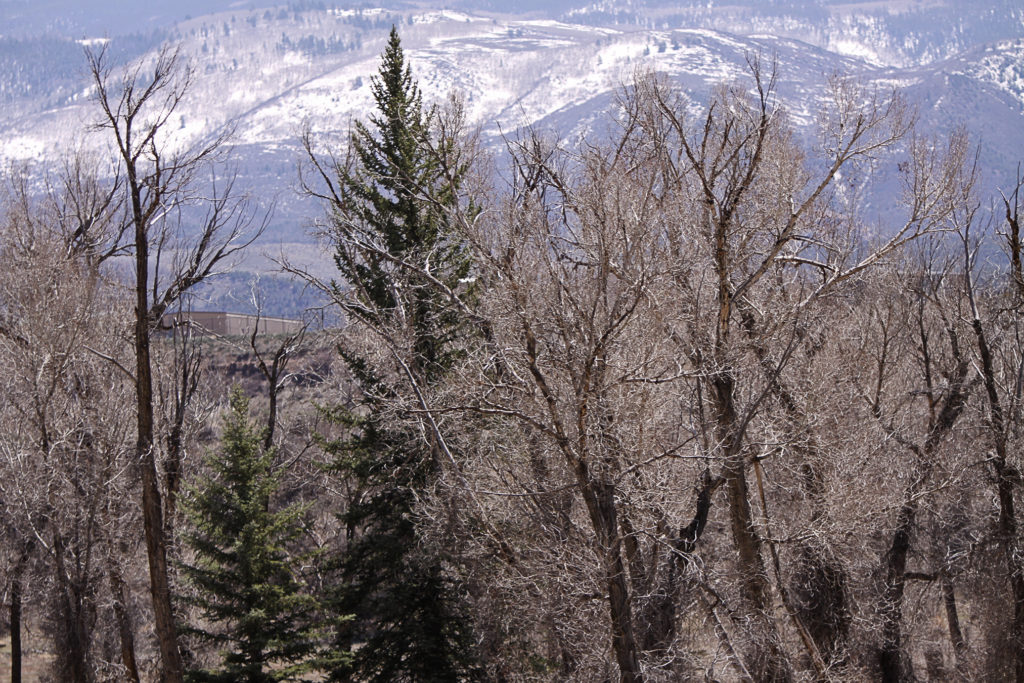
[666, 404]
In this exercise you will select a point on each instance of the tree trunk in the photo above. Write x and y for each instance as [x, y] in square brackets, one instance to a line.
[272, 391]
[172, 477]
[152, 513]
[658, 618]
[1008, 532]
[73, 638]
[16, 625]
[1007, 523]
[891, 662]
[124, 625]
[820, 586]
[600, 500]
[891, 658]
[769, 661]
[956, 636]
[186, 383]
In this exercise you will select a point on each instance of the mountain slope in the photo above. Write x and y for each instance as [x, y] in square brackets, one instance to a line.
[270, 72]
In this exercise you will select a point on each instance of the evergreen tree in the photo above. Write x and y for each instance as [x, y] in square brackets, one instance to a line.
[243, 581]
[397, 255]
[393, 241]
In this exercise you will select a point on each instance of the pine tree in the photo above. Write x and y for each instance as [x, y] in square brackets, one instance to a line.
[393, 241]
[243, 580]
[394, 247]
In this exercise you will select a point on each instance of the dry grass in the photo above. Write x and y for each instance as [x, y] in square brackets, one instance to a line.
[35, 662]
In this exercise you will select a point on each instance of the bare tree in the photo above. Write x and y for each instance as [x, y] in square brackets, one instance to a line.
[694, 258]
[159, 185]
[65, 454]
[918, 314]
[769, 228]
[994, 314]
[574, 263]
[272, 361]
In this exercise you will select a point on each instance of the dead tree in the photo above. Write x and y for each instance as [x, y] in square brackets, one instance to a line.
[767, 228]
[1001, 377]
[161, 181]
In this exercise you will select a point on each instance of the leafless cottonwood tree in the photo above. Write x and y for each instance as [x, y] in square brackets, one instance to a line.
[770, 228]
[1005, 417]
[160, 182]
[177, 380]
[944, 375]
[573, 266]
[272, 359]
[63, 426]
[917, 385]
[649, 305]
[938, 526]
[993, 312]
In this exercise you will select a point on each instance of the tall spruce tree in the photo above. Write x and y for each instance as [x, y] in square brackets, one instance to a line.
[398, 261]
[243, 580]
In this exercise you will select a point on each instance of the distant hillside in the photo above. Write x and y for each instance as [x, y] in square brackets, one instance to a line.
[239, 292]
[269, 71]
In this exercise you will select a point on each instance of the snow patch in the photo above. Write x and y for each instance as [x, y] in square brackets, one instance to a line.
[443, 15]
[856, 49]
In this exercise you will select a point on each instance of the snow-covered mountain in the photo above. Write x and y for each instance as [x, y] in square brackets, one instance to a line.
[268, 71]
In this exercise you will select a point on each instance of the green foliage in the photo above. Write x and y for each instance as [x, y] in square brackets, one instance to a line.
[399, 259]
[394, 245]
[410, 620]
[252, 604]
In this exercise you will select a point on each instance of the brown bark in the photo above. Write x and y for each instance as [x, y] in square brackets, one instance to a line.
[1008, 533]
[893, 663]
[956, 635]
[600, 500]
[73, 641]
[152, 511]
[893, 666]
[657, 618]
[1007, 522]
[769, 662]
[16, 625]
[124, 623]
